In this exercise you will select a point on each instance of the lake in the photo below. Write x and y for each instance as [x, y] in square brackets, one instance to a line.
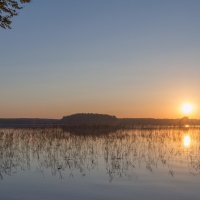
[50, 164]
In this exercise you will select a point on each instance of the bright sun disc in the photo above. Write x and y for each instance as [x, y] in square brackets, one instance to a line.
[187, 108]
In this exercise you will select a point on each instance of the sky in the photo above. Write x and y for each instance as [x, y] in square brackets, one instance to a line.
[122, 57]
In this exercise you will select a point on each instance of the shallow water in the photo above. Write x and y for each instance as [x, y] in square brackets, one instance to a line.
[48, 164]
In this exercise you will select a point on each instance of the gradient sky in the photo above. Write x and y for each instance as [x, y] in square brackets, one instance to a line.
[122, 57]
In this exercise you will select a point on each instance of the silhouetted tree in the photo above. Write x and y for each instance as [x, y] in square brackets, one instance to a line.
[9, 9]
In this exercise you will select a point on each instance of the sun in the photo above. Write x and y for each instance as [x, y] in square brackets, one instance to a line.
[187, 108]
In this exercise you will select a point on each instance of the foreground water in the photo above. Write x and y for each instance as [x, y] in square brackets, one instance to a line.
[48, 164]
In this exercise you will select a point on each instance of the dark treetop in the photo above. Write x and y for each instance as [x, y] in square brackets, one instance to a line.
[9, 9]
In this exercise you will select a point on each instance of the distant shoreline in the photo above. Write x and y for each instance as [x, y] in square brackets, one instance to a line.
[95, 120]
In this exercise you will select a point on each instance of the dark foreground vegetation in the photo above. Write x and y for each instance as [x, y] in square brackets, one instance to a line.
[119, 154]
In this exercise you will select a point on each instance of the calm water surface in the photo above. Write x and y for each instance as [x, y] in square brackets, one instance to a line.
[50, 164]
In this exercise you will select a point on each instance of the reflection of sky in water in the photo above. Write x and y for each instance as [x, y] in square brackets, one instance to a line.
[52, 164]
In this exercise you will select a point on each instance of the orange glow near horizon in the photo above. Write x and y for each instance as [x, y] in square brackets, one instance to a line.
[121, 108]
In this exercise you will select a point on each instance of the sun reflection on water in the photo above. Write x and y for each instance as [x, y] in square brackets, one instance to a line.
[186, 141]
